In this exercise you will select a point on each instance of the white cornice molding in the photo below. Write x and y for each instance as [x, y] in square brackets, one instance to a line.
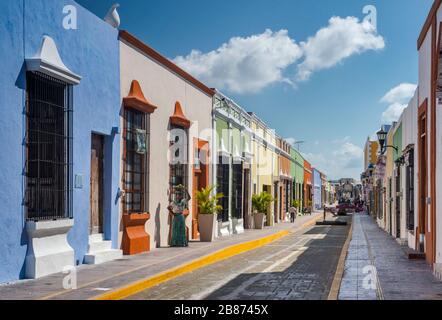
[48, 61]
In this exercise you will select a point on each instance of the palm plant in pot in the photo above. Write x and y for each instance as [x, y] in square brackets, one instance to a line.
[208, 204]
[297, 205]
[260, 204]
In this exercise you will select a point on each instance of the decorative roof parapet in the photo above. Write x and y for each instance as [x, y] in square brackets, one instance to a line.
[178, 118]
[137, 100]
[48, 61]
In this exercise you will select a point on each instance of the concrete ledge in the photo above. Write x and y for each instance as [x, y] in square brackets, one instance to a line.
[238, 226]
[224, 229]
[48, 250]
[438, 271]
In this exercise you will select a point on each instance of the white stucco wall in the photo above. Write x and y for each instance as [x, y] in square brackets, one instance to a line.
[424, 92]
[164, 88]
[409, 137]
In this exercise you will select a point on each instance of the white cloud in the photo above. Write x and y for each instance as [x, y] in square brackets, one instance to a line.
[393, 113]
[245, 64]
[342, 38]
[400, 94]
[348, 151]
[397, 98]
[345, 161]
[250, 64]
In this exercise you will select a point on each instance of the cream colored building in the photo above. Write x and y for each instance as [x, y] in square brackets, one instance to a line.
[178, 125]
[388, 183]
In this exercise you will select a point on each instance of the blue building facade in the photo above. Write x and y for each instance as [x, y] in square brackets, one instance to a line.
[317, 189]
[31, 34]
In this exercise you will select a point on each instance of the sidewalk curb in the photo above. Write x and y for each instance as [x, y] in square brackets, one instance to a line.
[222, 254]
[138, 286]
[336, 285]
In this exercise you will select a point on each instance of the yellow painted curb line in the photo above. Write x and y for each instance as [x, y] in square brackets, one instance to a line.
[222, 254]
[339, 274]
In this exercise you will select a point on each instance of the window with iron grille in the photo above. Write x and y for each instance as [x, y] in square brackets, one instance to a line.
[287, 195]
[237, 187]
[222, 178]
[178, 168]
[136, 159]
[410, 191]
[48, 148]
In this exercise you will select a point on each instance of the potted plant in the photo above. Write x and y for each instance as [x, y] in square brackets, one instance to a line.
[208, 205]
[260, 204]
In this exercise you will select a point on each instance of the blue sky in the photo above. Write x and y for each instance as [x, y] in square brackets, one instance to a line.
[342, 99]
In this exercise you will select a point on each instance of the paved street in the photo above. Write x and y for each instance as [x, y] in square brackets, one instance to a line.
[299, 266]
[94, 280]
[377, 268]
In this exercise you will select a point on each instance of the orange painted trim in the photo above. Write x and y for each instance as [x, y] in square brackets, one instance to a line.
[164, 61]
[434, 73]
[428, 23]
[137, 100]
[135, 238]
[178, 118]
[203, 174]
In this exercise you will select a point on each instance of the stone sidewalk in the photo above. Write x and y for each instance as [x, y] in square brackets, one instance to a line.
[377, 268]
[99, 279]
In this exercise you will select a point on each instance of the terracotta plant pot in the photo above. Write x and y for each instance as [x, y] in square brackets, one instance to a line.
[207, 226]
[259, 220]
[135, 238]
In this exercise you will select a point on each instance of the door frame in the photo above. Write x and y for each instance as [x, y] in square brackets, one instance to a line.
[246, 196]
[398, 201]
[423, 211]
[200, 175]
[101, 187]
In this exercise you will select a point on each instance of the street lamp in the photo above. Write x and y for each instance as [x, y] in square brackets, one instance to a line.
[382, 137]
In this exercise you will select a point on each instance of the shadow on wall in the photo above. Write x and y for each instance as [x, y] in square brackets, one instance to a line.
[310, 276]
[21, 84]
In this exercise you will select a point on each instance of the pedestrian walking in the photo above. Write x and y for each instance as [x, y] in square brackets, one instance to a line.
[293, 212]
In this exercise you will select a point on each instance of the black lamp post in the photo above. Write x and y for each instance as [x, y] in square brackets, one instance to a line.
[382, 137]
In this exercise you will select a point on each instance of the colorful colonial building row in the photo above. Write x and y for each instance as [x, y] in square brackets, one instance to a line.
[403, 183]
[96, 128]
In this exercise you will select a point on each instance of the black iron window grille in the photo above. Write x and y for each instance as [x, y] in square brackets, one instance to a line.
[136, 157]
[178, 169]
[48, 148]
[237, 187]
[222, 178]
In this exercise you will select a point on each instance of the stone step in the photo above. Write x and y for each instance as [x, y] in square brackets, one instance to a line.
[103, 256]
[99, 246]
[96, 237]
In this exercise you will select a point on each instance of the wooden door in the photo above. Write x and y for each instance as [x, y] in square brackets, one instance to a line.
[96, 184]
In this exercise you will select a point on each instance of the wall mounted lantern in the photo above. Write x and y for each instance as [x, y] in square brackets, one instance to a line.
[382, 137]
